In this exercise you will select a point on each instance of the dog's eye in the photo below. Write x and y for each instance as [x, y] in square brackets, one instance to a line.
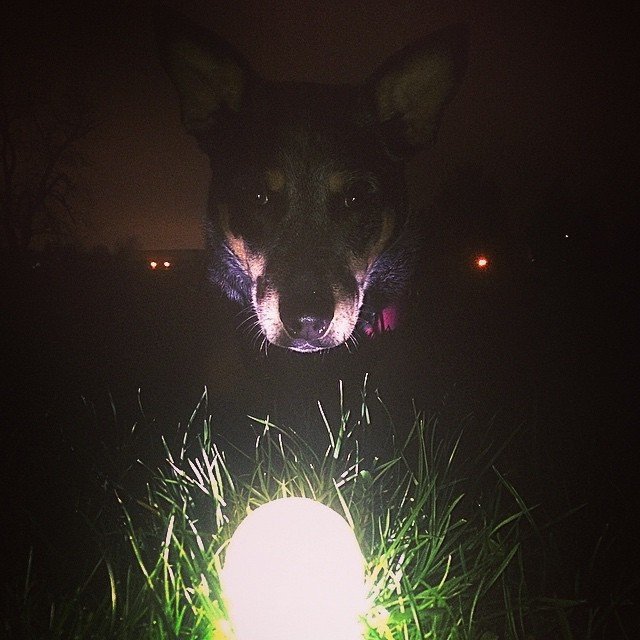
[262, 198]
[351, 200]
[357, 195]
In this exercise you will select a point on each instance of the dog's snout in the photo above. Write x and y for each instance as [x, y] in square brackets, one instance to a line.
[306, 314]
[307, 328]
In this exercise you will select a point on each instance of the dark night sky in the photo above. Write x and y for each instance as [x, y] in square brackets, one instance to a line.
[550, 92]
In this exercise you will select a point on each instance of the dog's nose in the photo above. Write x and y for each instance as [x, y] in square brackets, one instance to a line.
[308, 328]
[307, 317]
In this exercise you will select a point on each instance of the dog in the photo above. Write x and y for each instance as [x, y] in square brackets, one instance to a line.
[308, 224]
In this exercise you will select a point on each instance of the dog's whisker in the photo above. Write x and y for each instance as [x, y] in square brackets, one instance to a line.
[249, 318]
[251, 326]
[256, 334]
[254, 327]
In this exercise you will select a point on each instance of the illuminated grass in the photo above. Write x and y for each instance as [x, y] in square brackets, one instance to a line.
[442, 563]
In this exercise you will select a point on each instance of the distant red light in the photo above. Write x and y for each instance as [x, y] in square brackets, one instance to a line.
[153, 264]
[482, 262]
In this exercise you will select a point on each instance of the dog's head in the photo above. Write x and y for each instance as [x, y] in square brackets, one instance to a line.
[307, 214]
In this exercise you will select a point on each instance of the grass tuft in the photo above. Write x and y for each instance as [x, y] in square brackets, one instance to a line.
[445, 560]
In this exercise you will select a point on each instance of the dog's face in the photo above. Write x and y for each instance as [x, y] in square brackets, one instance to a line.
[306, 220]
[305, 208]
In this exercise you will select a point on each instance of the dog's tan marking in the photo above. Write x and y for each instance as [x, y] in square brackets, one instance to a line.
[359, 267]
[385, 234]
[275, 179]
[337, 182]
[255, 266]
[361, 264]
[251, 262]
[267, 310]
[345, 317]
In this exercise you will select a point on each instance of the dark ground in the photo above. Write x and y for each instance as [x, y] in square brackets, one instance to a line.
[545, 348]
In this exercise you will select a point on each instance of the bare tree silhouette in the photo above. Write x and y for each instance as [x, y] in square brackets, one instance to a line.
[39, 167]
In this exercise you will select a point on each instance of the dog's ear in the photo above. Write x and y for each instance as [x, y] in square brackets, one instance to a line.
[211, 78]
[410, 90]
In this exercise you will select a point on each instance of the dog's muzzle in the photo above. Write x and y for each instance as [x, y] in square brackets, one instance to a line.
[307, 311]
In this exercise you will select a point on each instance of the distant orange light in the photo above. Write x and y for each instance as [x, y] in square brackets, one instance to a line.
[166, 264]
[153, 264]
[482, 262]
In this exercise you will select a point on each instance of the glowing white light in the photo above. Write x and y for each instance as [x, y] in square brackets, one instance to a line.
[294, 571]
[482, 262]
[153, 264]
[166, 264]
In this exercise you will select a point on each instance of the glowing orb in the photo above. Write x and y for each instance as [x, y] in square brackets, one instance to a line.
[166, 265]
[482, 262]
[153, 264]
[294, 571]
